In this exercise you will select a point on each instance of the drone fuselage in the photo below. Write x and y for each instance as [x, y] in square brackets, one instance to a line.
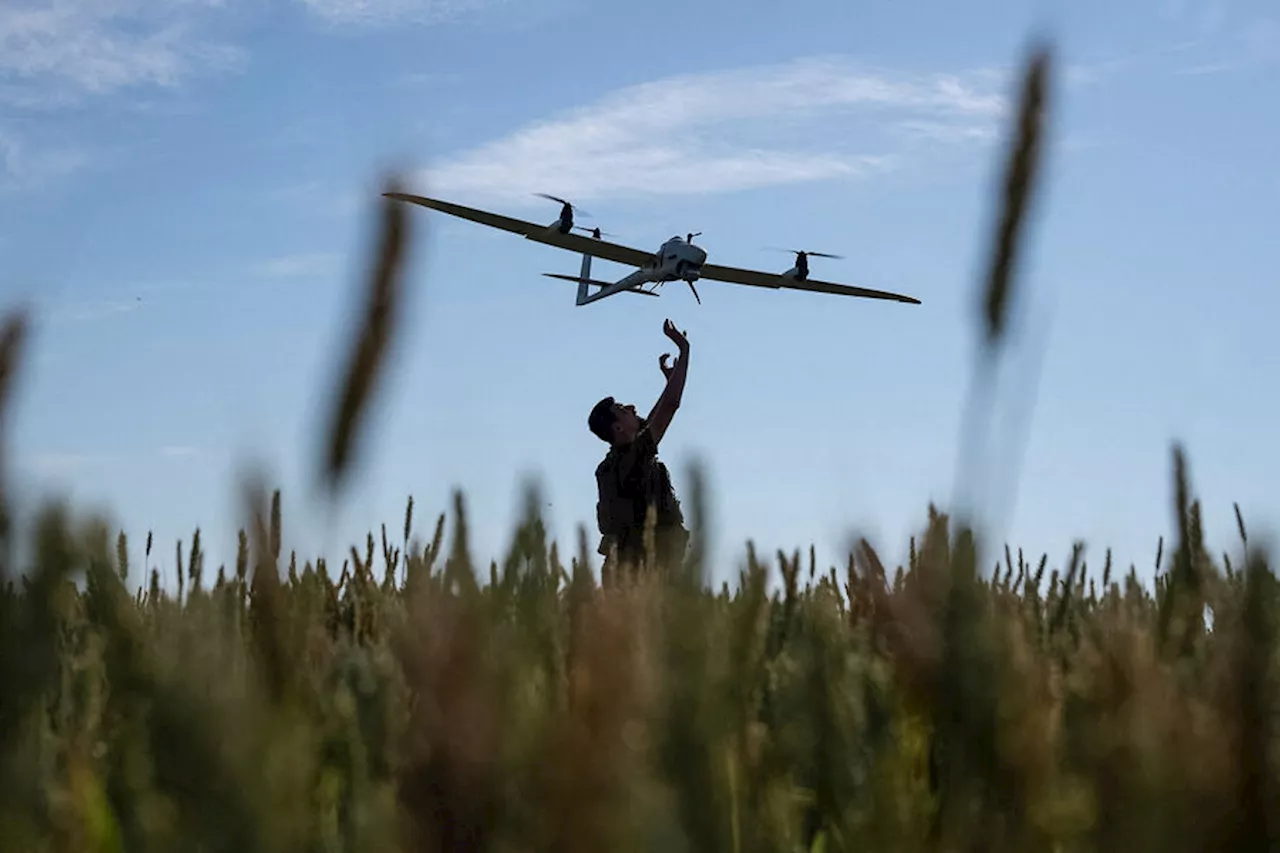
[678, 260]
[675, 260]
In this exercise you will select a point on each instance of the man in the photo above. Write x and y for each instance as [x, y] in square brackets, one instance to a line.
[631, 481]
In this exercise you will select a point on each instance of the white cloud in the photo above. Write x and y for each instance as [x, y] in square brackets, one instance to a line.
[25, 168]
[949, 132]
[378, 12]
[812, 119]
[55, 51]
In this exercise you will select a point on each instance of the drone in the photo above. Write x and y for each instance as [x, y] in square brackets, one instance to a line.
[677, 259]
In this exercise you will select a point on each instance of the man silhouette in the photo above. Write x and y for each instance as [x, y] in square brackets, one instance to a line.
[631, 481]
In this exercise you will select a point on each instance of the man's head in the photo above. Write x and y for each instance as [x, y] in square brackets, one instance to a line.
[614, 423]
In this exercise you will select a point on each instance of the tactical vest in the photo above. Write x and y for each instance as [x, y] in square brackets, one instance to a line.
[625, 496]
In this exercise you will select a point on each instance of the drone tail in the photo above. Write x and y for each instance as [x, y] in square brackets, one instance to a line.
[584, 279]
[583, 284]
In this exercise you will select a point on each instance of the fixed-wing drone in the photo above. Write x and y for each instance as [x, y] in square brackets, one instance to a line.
[676, 260]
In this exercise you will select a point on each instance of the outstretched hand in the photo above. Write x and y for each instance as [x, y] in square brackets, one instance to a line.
[681, 342]
[669, 400]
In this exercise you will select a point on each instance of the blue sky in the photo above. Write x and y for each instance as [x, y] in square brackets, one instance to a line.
[187, 190]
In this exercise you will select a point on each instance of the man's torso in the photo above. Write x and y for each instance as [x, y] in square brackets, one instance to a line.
[630, 480]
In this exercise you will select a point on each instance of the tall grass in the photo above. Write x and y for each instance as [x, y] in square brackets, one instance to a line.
[411, 700]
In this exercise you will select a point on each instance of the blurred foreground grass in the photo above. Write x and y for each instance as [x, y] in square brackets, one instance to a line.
[405, 701]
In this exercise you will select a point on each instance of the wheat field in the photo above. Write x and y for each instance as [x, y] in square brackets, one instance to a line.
[410, 700]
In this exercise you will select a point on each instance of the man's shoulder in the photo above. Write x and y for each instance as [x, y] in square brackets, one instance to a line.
[607, 464]
[643, 446]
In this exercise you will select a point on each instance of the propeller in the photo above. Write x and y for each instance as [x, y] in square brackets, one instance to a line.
[594, 232]
[691, 235]
[567, 204]
[802, 260]
[799, 252]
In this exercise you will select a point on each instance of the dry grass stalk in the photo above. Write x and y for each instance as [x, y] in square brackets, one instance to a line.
[372, 341]
[1019, 184]
[13, 334]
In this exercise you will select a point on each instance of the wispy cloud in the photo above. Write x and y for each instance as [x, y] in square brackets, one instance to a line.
[57, 464]
[1252, 45]
[812, 119]
[1207, 68]
[56, 51]
[1205, 17]
[425, 79]
[381, 12]
[1093, 73]
[100, 309]
[300, 264]
[25, 168]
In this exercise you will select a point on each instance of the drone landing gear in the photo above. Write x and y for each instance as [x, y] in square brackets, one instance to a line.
[653, 289]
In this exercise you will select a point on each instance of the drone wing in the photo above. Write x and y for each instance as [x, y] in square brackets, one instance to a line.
[537, 232]
[755, 278]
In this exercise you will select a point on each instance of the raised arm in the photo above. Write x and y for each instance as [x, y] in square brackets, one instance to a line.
[669, 400]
